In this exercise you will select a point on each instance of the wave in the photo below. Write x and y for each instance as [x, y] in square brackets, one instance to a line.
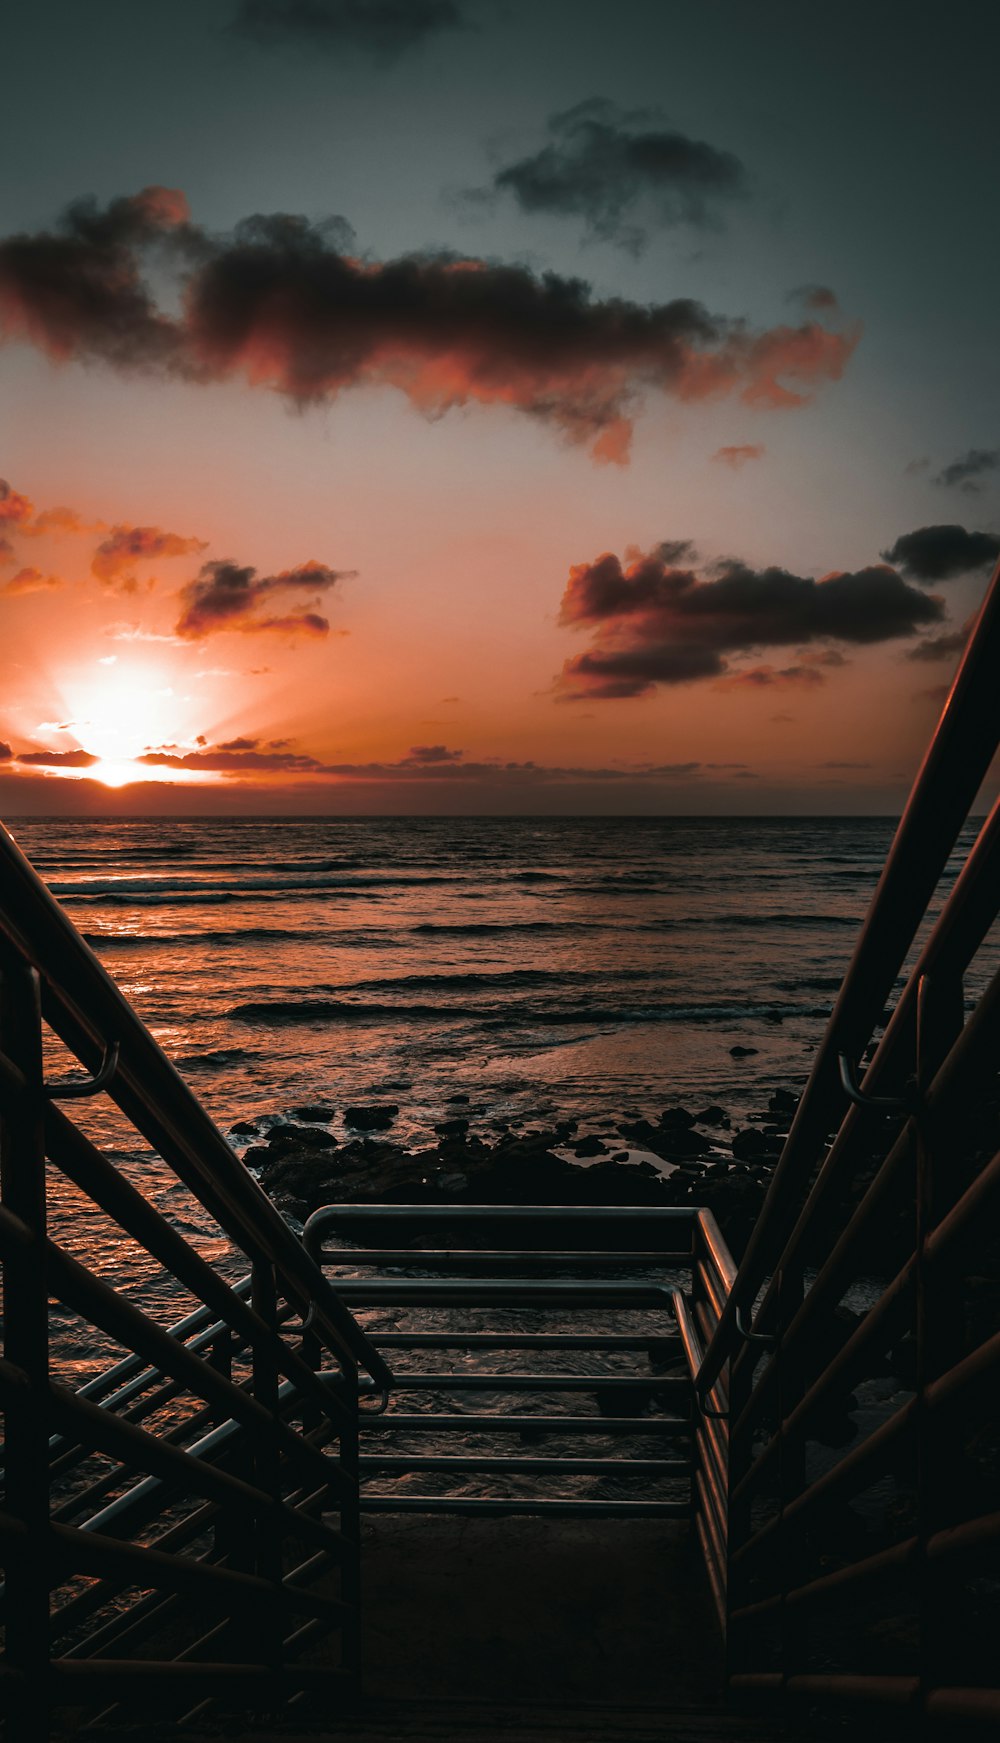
[286, 1011]
[236, 934]
[478, 928]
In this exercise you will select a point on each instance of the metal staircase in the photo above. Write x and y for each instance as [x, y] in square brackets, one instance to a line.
[185, 1528]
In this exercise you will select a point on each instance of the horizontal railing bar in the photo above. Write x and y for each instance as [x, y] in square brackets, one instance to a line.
[460, 1423]
[693, 1351]
[716, 1297]
[182, 1470]
[714, 1571]
[714, 1464]
[330, 1214]
[980, 1705]
[541, 1340]
[87, 1293]
[707, 1507]
[88, 1011]
[486, 1466]
[471, 1292]
[710, 1237]
[201, 1320]
[871, 1690]
[88, 1552]
[537, 1382]
[77, 1609]
[877, 1690]
[707, 1514]
[951, 1388]
[971, 1055]
[856, 1469]
[89, 1170]
[882, 1565]
[540, 1506]
[957, 934]
[957, 760]
[84, 1679]
[132, 1508]
[483, 1260]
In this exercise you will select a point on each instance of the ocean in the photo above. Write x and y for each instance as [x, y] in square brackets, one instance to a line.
[590, 967]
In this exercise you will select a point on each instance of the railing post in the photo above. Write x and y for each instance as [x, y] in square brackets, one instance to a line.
[350, 1526]
[26, 1345]
[267, 1461]
[937, 1327]
[791, 1475]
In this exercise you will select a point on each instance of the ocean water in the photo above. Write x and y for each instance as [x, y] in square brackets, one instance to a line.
[579, 966]
[587, 967]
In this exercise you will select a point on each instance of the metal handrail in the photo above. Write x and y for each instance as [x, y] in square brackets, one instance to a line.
[950, 776]
[92, 1016]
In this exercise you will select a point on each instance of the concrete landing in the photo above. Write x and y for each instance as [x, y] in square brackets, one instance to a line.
[522, 1631]
[611, 1612]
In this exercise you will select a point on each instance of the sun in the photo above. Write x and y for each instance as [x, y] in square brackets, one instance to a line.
[120, 714]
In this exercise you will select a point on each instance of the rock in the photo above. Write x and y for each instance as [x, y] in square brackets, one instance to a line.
[713, 1116]
[619, 1156]
[371, 1118]
[307, 1137]
[457, 1098]
[782, 1101]
[313, 1112]
[591, 1145]
[742, 1052]
[243, 1129]
[257, 1155]
[452, 1128]
[671, 1117]
[749, 1144]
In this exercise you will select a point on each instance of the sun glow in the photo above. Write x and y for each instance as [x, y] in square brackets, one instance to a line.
[121, 713]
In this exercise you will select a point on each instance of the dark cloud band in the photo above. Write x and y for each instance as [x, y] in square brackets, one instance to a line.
[282, 303]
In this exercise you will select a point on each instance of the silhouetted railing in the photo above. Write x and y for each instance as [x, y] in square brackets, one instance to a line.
[186, 1524]
[848, 1500]
[589, 1288]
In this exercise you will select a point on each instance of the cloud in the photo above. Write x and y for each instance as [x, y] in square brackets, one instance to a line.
[656, 623]
[224, 596]
[815, 296]
[422, 763]
[15, 509]
[125, 546]
[29, 581]
[17, 515]
[234, 761]
[623, 172]
[939, 553]
[5, 752]
[58, 759]
[941, 647]
[282, 303]
[738, 456]
[432, 753]
[6, 552]
[844, 765]
[965, 472]
[383, 29]
[802, 677]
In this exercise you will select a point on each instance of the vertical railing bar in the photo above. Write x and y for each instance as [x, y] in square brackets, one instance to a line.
[266, 1461]
[26, 1343]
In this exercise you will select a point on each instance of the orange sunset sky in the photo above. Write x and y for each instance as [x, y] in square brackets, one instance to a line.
[528, 409]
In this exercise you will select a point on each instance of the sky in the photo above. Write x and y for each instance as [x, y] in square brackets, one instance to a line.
[491, 406]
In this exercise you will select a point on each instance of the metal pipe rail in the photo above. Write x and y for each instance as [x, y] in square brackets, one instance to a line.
[845, 1375]
[507, 1267]
[197, 1502]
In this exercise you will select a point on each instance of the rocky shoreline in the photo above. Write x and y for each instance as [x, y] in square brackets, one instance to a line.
[679, 1157]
